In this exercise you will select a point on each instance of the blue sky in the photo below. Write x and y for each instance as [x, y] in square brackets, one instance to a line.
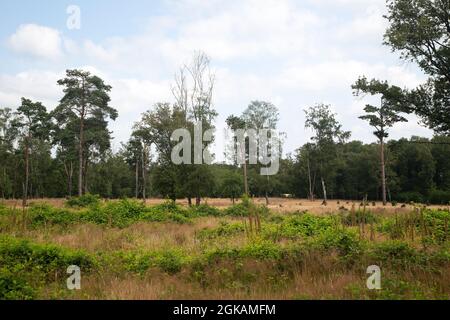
[292, 53]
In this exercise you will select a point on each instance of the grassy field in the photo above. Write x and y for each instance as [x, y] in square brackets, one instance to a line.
[292, 249]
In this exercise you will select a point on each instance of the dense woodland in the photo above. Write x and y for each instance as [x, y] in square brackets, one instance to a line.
[67, 151]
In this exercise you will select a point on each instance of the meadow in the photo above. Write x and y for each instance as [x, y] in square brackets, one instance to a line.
[291, 249]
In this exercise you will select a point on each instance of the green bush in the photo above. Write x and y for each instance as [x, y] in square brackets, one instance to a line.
[439, 197]
[394, 252]
[203, 210]
[306, 225]
[83, 201]
[46, 258]
[170, 261]
[167, 211]
[437, 226]
[15, 287]
[407, 197]
[246, 208]
[345, 242]
[116, 213]
[360, 217]
[225, 229]
[44, 214]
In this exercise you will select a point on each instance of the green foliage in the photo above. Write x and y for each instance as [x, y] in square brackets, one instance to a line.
[436, 226]
[15, 287]
[203, 210]
[167, 211]
[439, 197]
[246, 208]
[395, 252]
[170, 261]
[42, 214]
[27, 267]
[360, 217]
[84, 201]
[43, 257]
[408, 197]
[306, 225]
[225, 229]
[347, 244]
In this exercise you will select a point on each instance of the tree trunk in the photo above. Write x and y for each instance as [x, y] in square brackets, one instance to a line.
[144, 178]
[69, 173]
[137, 178]
[27, 171]
[311, 192]
[245, 179]
[85, 176]
[189, 201]
[325, 200]
[70, 179]
[383, 172]
[80, 156]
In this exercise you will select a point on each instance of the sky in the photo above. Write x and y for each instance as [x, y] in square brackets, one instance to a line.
[294, 54]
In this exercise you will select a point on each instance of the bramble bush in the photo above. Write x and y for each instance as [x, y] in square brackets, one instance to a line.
[83, 201]
[27, 266]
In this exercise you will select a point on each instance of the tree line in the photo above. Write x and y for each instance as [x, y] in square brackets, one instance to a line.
[67, 151]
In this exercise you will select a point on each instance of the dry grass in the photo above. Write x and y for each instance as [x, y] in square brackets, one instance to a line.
[276, 204]
[143, 235]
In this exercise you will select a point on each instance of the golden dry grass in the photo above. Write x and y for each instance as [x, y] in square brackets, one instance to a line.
[276, 204]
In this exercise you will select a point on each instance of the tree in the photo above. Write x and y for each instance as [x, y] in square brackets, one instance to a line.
[414, 164]
[235, 123]
[133, 152]
[32, 122]
[263, 115]
[156, 126]
[327, 133]
[420, 31]
[382, 117]
[8, 134]
[232, 186]
[86, 99]
[193, 92]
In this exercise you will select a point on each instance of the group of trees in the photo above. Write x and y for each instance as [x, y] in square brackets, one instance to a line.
[48, 154]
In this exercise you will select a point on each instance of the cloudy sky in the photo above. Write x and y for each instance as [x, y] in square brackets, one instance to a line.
[292, 53]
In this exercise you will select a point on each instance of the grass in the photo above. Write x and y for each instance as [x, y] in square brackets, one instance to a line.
[127, 250]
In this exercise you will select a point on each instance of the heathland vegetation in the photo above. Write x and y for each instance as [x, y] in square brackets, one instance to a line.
[128, 249]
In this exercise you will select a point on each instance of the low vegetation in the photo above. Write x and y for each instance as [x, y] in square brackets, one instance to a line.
[127, 250]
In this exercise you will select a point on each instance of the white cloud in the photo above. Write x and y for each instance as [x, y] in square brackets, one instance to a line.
[289, 52]
[36, 40]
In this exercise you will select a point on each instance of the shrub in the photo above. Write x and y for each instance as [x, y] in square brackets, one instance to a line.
[167, 211]
[203, 210]
[394, 252]
[360, 217]
[225, 229]
[15, 287]
[345, 242]
[83, 201]
[42, 214]
[115, 213]
[408, 197]
[46, 258]
[237, 210]
[306, 225]
[170, 261]
[246, 208]
[439, 197]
